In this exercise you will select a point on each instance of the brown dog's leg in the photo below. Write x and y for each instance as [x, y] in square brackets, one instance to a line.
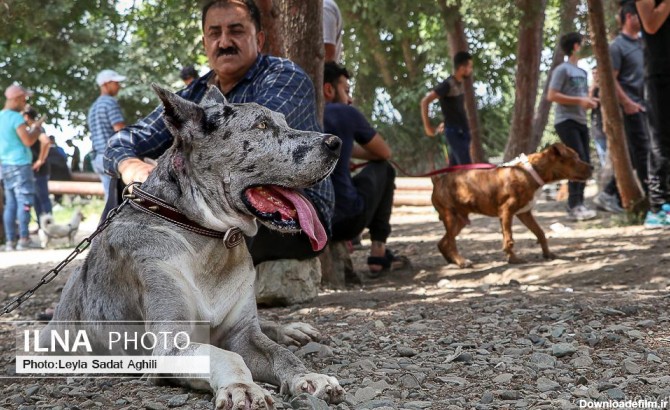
[508, 243]
[530, 222]
[447, 245]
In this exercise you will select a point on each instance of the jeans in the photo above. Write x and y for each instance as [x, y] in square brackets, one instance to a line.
[658, 97]
[375, 183]
[576, 136]
[42, 201]
[458, 141]
[100, 170]
[19, 186]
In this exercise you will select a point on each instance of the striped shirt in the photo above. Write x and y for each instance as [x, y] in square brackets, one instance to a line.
[272, 82]
[103, 114]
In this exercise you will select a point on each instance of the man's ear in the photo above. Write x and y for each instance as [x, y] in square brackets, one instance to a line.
[260, 39]
[178, 113]
[328, 91]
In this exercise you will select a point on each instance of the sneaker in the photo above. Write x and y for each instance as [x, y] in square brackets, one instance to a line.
[581, 213]
[658, 220]
[9, 246]
[25, 244]
[608, 203]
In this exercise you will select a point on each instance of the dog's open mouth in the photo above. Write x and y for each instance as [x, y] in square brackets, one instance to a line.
[285, 209]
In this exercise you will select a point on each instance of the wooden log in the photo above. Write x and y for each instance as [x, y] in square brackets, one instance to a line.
[76, 188]
[413, 184]
[85, 177]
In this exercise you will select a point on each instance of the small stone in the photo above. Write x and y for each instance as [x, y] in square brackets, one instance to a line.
[405, 351]
[487, 398]
[409, 381]
[582, 362]
[653, 358]
[616, 394]
[581, 381]
[308, 402]
[557, 332]
[379, 324]
[543, 360]
[154, 406]
[365, 394]
[503, 378]
[646, 323]
[563, 349]
[178, 400]
[544, 385]
[631, 367]
[510, 395]
[418, 405]
[464, 357]
[29, 391]
[309, 348]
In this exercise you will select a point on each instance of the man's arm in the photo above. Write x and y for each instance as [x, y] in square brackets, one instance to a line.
[560, 98]
[148, 138]
[44, 151]
[425, 102]
[28, 138]
[119, 126]
[629, 106]
[375, 150]
[652, 16]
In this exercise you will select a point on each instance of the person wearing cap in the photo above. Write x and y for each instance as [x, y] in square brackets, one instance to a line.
[188, 74]
[16, 159]
[105, 119]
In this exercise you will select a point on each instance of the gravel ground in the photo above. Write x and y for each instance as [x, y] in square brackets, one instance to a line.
[589, 327]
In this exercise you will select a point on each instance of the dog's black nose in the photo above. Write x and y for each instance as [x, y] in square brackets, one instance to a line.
[333, 143]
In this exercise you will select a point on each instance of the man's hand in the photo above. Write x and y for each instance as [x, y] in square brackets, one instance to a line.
[589, 103]
[135, 170]
[37, 165]
[631, 107]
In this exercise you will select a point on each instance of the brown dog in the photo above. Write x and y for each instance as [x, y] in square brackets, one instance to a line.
[503, 192]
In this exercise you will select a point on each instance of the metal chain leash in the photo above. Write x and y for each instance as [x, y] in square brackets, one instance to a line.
[81, 247]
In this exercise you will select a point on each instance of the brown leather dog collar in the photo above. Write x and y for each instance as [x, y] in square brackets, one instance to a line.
[152, 205]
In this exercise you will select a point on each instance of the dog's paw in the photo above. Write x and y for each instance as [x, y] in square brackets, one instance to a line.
[550, 256]
[243, 396]
[297, 333]
[319, 385]
[465, 263]
[515, 260]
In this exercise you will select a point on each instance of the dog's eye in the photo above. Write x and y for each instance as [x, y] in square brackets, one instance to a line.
[262, 125]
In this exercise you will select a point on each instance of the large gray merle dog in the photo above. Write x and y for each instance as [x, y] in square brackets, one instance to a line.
[230, 166]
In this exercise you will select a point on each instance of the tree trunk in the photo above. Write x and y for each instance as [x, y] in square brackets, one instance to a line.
[567, 24]
[379, 56]
[301, 28]
[451, 15]
[629, 189]
[528, 55]
[271, 26]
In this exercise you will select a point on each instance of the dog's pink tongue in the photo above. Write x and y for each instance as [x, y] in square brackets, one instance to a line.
[307, 218]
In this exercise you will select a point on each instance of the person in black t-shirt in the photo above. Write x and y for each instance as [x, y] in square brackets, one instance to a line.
[366, 199]
[41, 168]
[451, 95]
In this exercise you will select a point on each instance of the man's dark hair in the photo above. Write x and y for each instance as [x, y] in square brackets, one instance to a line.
[30, 112]
[568, 42]
[627, 7]
[188, 72]
[461, 58]
[332, 73]
[254, 12]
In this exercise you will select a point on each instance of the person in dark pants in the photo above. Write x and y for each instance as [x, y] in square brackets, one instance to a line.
[41, 168]
[366, 200]
[656, 37]
[628, 65]
[451, 95]
[569, 90]
[75, 165]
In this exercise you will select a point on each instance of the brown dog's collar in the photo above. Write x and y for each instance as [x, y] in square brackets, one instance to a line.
[525, 163]
[152, 205]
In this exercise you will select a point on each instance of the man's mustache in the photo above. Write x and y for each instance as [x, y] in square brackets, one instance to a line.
[226, 51]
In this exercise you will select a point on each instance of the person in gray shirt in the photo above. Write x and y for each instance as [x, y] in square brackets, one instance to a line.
[628, 64]
[568, 88]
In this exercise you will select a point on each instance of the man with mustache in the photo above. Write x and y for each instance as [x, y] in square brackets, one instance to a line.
[233, 39]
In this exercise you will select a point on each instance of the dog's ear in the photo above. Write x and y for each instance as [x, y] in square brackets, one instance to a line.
[214, 96]
[177, 112]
